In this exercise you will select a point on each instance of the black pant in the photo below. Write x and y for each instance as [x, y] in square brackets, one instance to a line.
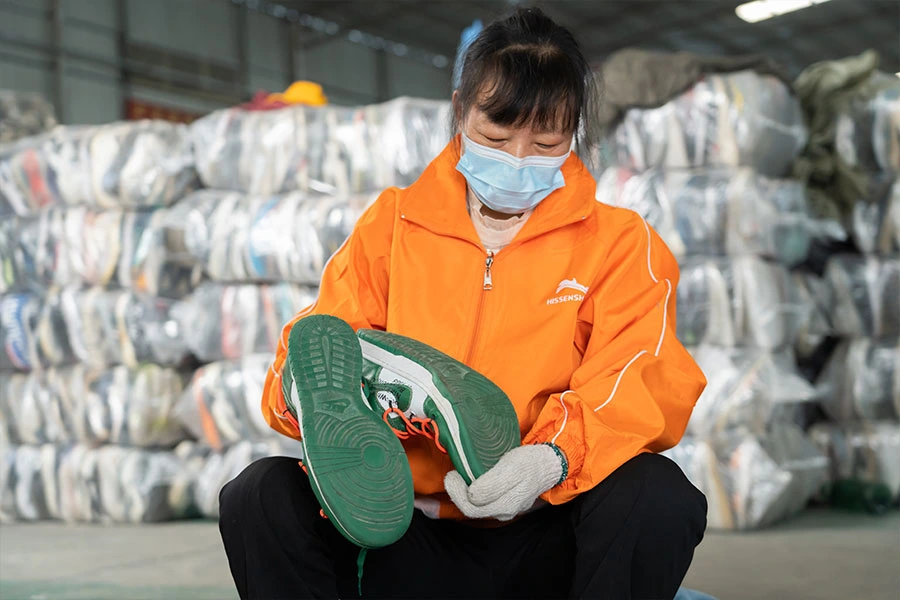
[632, 536]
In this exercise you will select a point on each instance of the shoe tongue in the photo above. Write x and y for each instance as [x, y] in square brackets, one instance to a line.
[386, 389]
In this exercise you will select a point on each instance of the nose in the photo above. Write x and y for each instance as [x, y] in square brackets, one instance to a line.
[518, 147]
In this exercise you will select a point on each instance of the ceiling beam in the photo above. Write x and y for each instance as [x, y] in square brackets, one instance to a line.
[366, 22]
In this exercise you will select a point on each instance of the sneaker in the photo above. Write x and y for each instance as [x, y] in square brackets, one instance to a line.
[356, 465]
[422, 391]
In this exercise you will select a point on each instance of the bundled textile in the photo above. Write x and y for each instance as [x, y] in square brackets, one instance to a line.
[221, 403]
[741, 301]
[752, 481]
[232, 321]
[23, 114]
[875, 224]
[866, 290]
[738, 119]
[867, 132]
[130, 407]
[867, 452]
[211, 470]
[137, 164]
[746, 387]
[98, 327]
[862, 381]
[282, 238]
[330, 150]
[80, 484]
[84, 246]
[718, 211]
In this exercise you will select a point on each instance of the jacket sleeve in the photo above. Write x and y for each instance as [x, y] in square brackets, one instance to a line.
[354, 287]
[637, 385]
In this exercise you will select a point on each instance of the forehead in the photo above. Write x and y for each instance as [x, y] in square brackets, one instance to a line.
[479, 117]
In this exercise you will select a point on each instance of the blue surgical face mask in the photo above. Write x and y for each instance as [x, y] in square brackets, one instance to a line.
[508, 184]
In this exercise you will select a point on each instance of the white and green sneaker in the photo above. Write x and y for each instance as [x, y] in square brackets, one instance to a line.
[422, 391]
[356, 465]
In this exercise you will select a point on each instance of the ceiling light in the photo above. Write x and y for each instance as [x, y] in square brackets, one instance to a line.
[760, 10]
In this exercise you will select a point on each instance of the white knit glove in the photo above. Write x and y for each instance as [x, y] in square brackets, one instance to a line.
[511, 486]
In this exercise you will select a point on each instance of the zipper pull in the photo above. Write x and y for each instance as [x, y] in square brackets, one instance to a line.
[488, 282]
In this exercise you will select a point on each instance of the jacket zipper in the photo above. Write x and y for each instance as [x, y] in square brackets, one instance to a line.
[486, 286]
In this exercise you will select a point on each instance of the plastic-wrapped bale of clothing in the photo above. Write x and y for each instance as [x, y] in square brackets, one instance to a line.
[280, 238]
[138, 164]
[717, 211]
[867, 133]
[218, 468]
[867, 452]
[741, 119]
[751, 481]
[330, 150]
[81, 484]
[741, 301]
[23, 114]
[233, 321]
[32, 332]
[813, 291]
[862, 381]
[866, 293]
[746, 388]
[221, 403]
[875, 221]
[110, 327]
[146, 265]
[66, 247]
[131, 407]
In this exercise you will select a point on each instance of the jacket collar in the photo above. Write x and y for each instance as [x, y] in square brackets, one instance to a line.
[437, 200]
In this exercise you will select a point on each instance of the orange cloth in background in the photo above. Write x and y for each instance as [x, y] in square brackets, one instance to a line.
[300, 92]
[578, 329]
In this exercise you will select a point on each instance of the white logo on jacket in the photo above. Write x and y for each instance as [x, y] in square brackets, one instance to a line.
[568, 284]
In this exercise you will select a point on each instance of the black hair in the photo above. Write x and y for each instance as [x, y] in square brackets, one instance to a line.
[525, 69]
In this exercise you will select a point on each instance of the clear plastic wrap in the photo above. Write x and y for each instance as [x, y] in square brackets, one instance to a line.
[19, 315]
[745, 389]
[815, 292]
[867, 134]
[862, 381]
[136, 164]
[875, 221]
[862, 451]
[718, 211]
[741, 301]
[223, 322]
[218, 468]
[221, 403]
[866, 293]
[110, 327]
[752, 482]
[146, 264]
[130, 407]
[23, 114]
[739, 119]
[80, 484]
[332, 150]
[240, 238]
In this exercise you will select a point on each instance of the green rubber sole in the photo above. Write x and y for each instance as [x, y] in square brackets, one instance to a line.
[477, 422]
[357, 467]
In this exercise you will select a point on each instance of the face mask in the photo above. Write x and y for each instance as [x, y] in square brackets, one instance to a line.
[508, 184]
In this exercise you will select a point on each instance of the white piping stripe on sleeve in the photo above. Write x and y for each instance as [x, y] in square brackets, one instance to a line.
[649, 238]
[565, 416]
[662, 334]
[619, 379]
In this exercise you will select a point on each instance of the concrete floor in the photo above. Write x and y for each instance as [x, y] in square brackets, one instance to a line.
[817, 556]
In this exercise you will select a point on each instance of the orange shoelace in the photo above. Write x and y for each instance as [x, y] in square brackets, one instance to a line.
[302, 466]
[415, 426]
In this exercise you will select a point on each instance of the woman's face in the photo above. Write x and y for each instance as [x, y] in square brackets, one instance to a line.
[518, 141]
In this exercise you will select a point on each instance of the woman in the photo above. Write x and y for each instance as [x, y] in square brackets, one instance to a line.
[500, 257]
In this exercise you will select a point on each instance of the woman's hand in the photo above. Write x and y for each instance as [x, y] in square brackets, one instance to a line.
[511, 486]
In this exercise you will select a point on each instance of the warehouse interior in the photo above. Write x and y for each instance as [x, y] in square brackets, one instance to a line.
[176, 175]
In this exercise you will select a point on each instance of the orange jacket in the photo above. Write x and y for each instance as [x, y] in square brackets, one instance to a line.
[578, 328]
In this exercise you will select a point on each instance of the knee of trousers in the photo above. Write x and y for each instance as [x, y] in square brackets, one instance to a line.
[263, 490]
[666, 500]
